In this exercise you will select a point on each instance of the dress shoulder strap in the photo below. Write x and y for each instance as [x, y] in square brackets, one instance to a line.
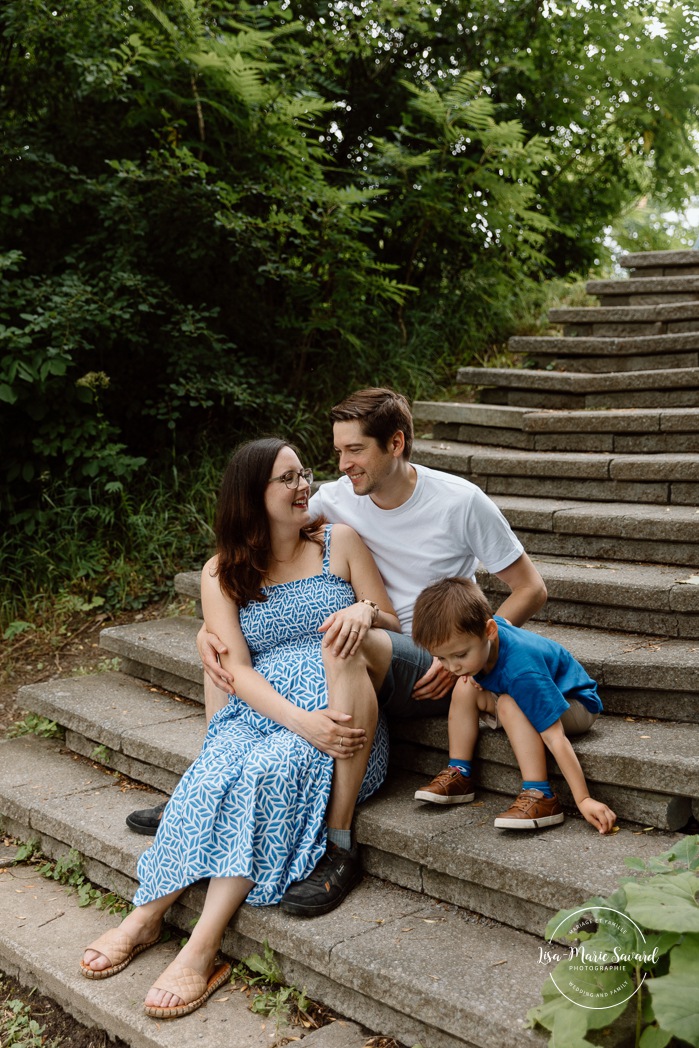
[327, 531]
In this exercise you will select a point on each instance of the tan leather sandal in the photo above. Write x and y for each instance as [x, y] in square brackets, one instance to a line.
[118, 948]
[190, 986]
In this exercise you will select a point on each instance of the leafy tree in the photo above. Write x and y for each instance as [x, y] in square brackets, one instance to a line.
[215, 220]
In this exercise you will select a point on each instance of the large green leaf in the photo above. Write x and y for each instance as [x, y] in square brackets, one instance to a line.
[601, 992]
[665, 903]
[654, 1037]
[675, 996]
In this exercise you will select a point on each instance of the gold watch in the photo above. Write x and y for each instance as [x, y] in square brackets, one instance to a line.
[374, 607]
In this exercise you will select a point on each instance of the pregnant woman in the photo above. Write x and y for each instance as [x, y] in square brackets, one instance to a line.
[249, 814]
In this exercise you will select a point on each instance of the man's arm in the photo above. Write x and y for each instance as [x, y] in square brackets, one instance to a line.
[528, 591]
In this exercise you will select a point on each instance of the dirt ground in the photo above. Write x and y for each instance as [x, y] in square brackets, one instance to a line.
[59, 1027]
[33, 657]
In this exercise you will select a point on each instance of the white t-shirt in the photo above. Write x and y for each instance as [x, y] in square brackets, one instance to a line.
[445, 528]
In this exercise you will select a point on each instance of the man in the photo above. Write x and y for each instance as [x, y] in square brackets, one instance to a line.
[421, 525]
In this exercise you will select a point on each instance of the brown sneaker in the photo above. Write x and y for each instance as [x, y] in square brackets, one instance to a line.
[531, 811]
[449, 787]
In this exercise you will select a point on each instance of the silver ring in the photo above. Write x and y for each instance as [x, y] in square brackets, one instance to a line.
[342, 740]
[354, 631]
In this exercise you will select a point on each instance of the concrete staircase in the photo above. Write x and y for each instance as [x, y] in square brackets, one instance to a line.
[440, 944]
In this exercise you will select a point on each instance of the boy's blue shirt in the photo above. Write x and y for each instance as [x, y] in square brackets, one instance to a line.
[539, 674]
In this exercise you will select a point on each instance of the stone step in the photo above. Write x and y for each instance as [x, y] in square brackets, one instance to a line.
[597, 355]
[367, 959]
[656, 599]
[42, 932]
[409, 843]
[661, 263]
[659, 479]
[608, 531]
[659, 599]
[624, 430]
[524, 387]
[638, 750]
[454, 852]
[627, 321]
[638, 676]
[632, 670]
[645, 290]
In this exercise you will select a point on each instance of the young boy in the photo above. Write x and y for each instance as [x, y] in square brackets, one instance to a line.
[532, 686]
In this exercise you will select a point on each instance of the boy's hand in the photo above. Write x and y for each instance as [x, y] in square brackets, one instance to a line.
[474, 683]
[597, 814]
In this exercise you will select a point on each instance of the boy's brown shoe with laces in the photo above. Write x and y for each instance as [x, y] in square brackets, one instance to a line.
[449, 787]
[531, 811]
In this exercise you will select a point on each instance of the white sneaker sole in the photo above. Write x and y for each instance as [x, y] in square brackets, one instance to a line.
[529, 824]
[434, 798]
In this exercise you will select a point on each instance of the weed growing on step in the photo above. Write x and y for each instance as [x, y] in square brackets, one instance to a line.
[273, 998]
[26, 851]
[33, 724]
[17, 1028]
[106, 665]
[101, 754]
[68, 870]
[650, 958]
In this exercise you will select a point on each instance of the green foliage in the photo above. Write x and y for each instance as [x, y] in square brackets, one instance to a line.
[95, 556]
[272, 997]
[105, 665]
[215, 221]
[648, 961]
[17, 1028]
[647, 227]
[34, 724]
[16, 628]
[101, 754]
[68, 870]
[26, 850]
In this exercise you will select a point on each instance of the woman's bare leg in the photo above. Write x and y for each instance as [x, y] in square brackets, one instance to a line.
[141, 925]
[223, 897]
[352, 686]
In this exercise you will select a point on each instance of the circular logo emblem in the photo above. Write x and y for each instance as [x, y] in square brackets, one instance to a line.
[596, 973]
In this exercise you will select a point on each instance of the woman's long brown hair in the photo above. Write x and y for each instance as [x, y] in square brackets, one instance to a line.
[242, 531]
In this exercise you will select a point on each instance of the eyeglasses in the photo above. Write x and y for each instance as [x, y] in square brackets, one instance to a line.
[292, 478]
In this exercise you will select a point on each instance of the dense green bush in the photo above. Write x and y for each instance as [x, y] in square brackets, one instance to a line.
[215, 221]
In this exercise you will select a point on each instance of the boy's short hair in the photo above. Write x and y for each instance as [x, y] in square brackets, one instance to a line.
[454, 605]
[380, 413]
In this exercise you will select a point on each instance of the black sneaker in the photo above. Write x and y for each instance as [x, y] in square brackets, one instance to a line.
[146, 821]
[337, 873]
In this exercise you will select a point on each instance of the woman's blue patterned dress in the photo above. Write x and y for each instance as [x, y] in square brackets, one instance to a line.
[253, 803]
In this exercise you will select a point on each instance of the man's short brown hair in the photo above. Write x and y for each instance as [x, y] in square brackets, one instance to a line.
[380, 412]
[454, 605]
